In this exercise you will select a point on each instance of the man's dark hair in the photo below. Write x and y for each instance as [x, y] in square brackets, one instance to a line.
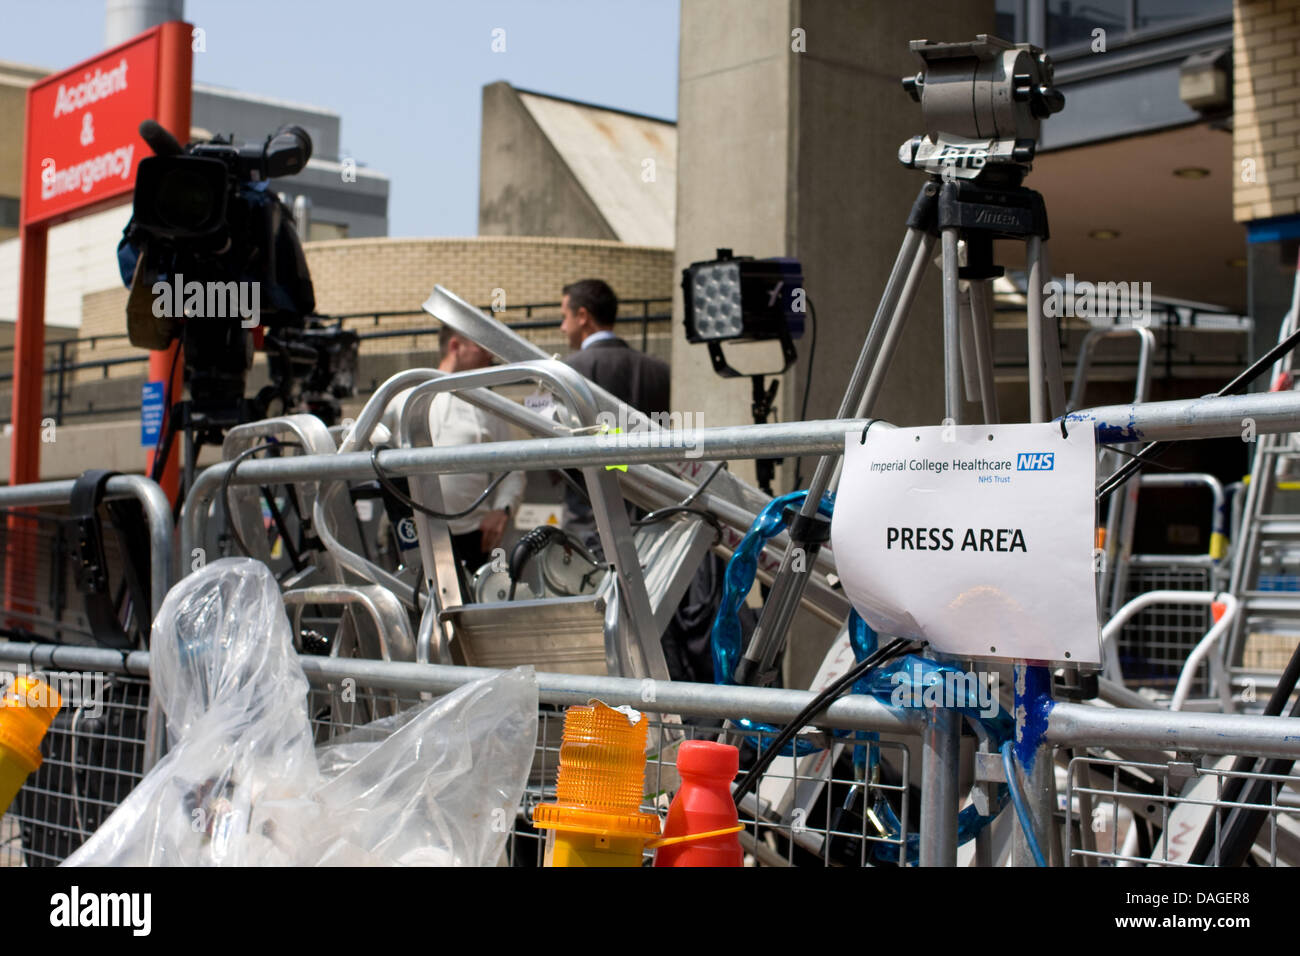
[445, 332]
[596, 297]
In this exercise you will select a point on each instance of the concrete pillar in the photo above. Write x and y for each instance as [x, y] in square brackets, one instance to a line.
[790, 115]
[124, 19]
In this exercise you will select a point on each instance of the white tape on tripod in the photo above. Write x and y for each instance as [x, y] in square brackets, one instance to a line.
[977, 538]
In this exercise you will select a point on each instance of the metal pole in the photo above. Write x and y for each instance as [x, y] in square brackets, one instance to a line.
[1210, 417]
[1033, 685]
[1051, 341]
[1035, 772]
[1114, 424]
[853, 712]
[940, 755]
[981, 301]
[952, 394]
[1034, 329]
[1080, 725]
[1067, 724]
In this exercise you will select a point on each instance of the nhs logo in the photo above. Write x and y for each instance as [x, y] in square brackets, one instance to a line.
[1034, 461]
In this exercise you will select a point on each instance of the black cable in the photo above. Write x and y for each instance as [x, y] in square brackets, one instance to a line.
[230, 474]
[1148, 461]
[573, 483]
[1235, 387]
[895, 648]
[416, 506]
[668, 511]
[295, 558]
[699, 489]
[536, 541]
[807, 387]
[661, 514]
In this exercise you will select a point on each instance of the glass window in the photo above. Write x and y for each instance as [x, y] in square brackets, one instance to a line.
[1071, 22]
[1010, 20]
[1153, 14]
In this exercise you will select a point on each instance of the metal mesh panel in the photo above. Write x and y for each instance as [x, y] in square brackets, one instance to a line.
[814, 812]
[829, 828]
[93, 756]
[1154, 645]
[1133, 813]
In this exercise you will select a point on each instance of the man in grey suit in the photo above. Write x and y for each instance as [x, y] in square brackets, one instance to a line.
[590, 307]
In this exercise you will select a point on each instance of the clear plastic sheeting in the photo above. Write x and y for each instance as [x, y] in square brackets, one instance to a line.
[243, 784]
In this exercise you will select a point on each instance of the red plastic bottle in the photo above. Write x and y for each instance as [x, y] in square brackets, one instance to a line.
[703, 804]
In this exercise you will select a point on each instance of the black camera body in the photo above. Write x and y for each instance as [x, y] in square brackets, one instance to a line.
[213, 260]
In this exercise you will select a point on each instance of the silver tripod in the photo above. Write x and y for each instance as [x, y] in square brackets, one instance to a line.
[983, 102]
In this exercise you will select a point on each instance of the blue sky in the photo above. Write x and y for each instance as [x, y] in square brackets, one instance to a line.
[406, 75]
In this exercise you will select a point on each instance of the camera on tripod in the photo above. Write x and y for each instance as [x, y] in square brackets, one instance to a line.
[213, 259]
[983, 101]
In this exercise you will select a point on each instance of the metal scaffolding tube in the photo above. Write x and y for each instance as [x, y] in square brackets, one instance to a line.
[678, 697]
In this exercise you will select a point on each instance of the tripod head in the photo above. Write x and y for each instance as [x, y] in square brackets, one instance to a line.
[983, 102]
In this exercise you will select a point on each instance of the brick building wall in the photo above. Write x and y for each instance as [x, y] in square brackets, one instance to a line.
[1266, 101]
[391, 275]
[14, 81]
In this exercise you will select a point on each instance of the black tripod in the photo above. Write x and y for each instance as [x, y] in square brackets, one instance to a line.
[993, 206]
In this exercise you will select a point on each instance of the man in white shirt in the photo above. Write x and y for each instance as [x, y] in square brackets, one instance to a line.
[453, 421]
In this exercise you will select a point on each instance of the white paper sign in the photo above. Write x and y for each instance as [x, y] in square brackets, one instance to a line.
[977, 538]
[542, 402]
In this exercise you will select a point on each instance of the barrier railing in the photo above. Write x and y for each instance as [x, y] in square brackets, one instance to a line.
[1132, 735]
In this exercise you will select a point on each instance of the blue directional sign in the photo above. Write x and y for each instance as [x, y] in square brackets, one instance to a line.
[151, 413]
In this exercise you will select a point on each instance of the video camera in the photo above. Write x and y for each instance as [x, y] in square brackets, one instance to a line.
[983, 102]
[212, 258]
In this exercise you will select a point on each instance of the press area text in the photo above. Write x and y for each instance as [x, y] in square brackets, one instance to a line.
[945, 539]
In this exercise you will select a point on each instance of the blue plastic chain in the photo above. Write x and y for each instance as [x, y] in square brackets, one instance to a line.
[899, 683]
[739, 579]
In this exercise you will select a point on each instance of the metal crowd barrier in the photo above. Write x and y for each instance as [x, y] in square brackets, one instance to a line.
[95, 758]
[1155, 643]
[1149, 756]
[157, 512]
[1132, 736]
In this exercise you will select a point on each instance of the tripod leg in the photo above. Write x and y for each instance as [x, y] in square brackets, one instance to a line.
[981, 301]
[886, 357]
[951, 329]
[896, 323]
[191, 457]
[1051, 347]
[969, 367]
[757, 664]
[1034, 329]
